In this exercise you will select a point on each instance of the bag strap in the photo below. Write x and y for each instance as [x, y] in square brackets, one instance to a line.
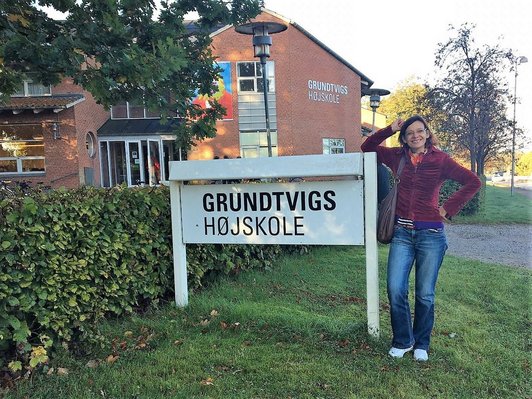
[397, 177]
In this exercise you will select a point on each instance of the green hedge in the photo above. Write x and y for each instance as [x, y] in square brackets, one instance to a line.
[472, 207]
[70, 258]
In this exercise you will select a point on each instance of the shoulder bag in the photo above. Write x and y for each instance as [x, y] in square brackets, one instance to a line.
[386, 219]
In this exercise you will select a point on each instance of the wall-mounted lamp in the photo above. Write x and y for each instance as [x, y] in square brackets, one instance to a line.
[55, 131]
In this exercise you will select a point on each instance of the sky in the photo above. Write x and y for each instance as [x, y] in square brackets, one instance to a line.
[391, 41]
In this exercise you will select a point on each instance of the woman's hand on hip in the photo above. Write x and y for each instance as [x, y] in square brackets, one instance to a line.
[443, 214]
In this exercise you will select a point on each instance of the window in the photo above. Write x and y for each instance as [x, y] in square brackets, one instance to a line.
[30, 88]
[136, 161]
[21, 149]
[255, 144]
[90, 144]
[250, 77]
[333, 146]
[128, 110]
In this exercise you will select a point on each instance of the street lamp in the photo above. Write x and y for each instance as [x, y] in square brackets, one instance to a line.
[383, 174]
[375, 101]
[518, 61]
[262, 41]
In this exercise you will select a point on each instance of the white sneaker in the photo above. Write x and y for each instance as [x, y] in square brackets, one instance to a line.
[399, 353]
[421, 355]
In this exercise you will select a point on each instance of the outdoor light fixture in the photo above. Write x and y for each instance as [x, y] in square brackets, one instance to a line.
[375, 101]
[518, 61]
[55, 131]
[262, 41]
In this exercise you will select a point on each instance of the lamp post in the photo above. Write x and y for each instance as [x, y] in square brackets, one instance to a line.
[518, 61]
[383, 174]
[262, 41]
[375, 101]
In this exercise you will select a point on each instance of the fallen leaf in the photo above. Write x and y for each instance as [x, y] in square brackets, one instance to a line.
[208, 381]
[205, 322]
[141, 345]
[111, 358]
[92, 364]
[50, 371]
[343, 343]
[214, 313]
[62, 371]
[178, 342]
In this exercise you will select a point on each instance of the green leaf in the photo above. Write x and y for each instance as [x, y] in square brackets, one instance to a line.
[13, 301]
[21, 334]
[15, 366]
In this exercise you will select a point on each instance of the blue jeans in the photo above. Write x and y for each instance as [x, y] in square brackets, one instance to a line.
[426, 248]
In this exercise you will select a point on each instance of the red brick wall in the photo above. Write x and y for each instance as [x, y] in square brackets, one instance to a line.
[88, 117]
[66, 157]
[302, 122]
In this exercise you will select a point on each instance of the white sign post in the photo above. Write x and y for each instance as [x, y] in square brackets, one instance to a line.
[339, 211]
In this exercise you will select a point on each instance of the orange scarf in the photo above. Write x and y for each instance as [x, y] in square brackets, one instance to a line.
[416, 158]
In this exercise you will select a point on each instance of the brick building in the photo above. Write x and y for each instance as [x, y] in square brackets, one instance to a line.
[314, 96]
[49, 135]
[313, 101]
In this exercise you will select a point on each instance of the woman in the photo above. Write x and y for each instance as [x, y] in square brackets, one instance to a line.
[419, 235]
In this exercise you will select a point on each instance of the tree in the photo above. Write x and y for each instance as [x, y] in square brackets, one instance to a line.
[523, 166]
[118, 50]
[408, 99]
[473, 96]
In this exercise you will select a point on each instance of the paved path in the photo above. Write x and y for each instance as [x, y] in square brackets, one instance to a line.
[525, 191]
[505, 244]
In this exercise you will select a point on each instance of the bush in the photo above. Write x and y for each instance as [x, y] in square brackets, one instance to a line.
[472, 207]
[69, 258]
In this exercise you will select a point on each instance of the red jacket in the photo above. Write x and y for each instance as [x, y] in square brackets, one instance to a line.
[419, 189]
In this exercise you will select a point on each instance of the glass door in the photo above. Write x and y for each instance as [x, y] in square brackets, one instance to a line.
[134, 161]
[153, 165]
[117, 158]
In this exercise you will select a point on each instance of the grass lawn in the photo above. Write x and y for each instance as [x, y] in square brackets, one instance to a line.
[500, 207]
[299, 331]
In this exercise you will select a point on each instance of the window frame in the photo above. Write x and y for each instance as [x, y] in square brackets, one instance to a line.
[91, 144]
[329, 147]
[257, 76]
[25, 90]
[130, 108]
[19, 160]
[259, 143]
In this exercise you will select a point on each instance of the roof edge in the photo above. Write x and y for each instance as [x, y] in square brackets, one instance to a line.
[367, 82]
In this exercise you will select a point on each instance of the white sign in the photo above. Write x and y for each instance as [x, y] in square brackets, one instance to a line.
[324, 212]
[331, 211]
[326, 91]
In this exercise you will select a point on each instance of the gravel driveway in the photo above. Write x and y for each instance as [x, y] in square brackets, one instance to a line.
[505, 244]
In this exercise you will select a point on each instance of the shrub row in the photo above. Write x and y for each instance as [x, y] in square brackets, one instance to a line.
[70, 258]
[472, 207]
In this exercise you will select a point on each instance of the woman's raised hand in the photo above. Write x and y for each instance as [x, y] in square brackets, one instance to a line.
[396, 124]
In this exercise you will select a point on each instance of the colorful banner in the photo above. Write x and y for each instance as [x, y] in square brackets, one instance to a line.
[224, 94]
